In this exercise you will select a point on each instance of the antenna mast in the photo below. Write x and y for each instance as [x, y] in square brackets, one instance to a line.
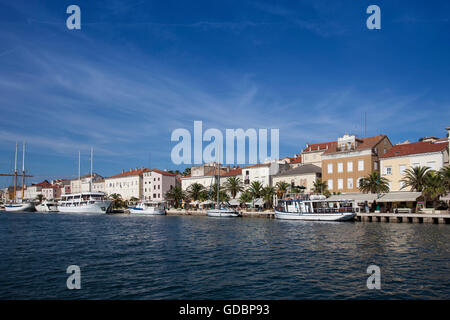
[23, 170]
[15, 175]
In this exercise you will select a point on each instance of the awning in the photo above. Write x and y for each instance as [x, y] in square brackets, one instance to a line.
[359, 197]
[206, 202]
[445, 198]
[234, 202]
[400, 196]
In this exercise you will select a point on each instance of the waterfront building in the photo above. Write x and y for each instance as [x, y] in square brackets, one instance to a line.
[431, 153]
[83, 184]
[205, 175]
[312, 154]
[301, 176]
[51, 192]
[345, 163]
[157, 183]
[98, 185]
[129, 184]
[33, 191]
[262, 172]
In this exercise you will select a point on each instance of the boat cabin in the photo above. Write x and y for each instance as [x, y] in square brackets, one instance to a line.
[315, 206]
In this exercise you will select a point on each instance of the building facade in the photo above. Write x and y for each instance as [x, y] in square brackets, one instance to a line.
[350, 159]
[401, 157]
[129, 184]
[312, 154]
[301, 176]
[157, 183]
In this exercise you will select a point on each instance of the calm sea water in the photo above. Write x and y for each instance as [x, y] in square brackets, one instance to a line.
[123, 257]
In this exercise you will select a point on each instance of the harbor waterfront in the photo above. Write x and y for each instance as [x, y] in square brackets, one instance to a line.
[193, 257]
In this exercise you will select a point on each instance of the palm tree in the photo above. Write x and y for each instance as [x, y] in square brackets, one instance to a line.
[39, 198]
[245, 197]
[256, 189]
[320, 186]
[176, 195]
[282, 188]
[434, 187]
[373, 183]
[268, 193]
[195, 191]
[117, 200]
[445, 174]
[223, 197]
[134, 200]
[234, 186]
[415, 178]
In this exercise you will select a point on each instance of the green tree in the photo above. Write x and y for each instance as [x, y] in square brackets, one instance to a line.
[223, 197]
[117, 200]
[40, 198]
[234, 185]
[434, 187]
[176, 195]
[195, 191]
[281, 188]
[256, 189]
[415, 178]
[445, 174]
[373, 183]
[245, 197]
[267, 194]
[320, 186]
[186, 172]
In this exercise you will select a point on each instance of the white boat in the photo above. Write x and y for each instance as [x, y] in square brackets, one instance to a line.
[315, 210]
[148, 208]
[85, 202]
[220, 211]
[20, 207]
[47, 206]
[223, 212]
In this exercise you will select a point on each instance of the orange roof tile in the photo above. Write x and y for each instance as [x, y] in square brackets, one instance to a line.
[320, 146]
[400, 150]
[133, 172]
[362, 144]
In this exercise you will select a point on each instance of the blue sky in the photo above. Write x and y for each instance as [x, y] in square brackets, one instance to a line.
[137, 70]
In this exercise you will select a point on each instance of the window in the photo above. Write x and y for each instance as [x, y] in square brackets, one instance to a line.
[340, 167]
[330, 168]
[360, 165]
[350, 166]
[402, 169]
[375, 165]
[384, 151]
[330, 184]
[388, 170]
[340, 184]
[350, 183]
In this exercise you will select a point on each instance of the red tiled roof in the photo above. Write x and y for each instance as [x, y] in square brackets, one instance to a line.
[362, 143]
[165, 173]
[43, 184]
[133, 172]
[320, 146]
[232, 173]
[258, 165]
[414, 148]
[297, 160]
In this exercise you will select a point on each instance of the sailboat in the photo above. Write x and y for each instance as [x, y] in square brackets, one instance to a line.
[85, 202]
[19, 206]
[221, 211]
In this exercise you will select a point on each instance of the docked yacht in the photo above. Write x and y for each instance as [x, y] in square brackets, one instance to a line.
[148, 208]
[220, 211]
[316, 208]
[85, 202]
[47, 206]
[20, 207]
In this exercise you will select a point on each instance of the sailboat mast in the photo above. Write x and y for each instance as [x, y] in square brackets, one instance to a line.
[218, 179]
[79, 171]
[15, 175]
[23, 170]
[92, 165]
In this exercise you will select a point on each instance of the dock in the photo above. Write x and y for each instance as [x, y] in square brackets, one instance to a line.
[436, 218]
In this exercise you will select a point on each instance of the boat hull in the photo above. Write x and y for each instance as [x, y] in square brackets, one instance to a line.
[341, 216]
[46, 208]
[222, 213]
[147, 212]
[92, 208]
[20, 207]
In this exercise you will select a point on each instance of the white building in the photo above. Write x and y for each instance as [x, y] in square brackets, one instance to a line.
[129, 184]
[157, 183]
[262, 172]
[85, 182]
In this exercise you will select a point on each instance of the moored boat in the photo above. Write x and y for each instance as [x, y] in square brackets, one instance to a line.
[47, 206]
[222, 212]
[85, 202]
[20, 207]
[315, 209]
[148, 208]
